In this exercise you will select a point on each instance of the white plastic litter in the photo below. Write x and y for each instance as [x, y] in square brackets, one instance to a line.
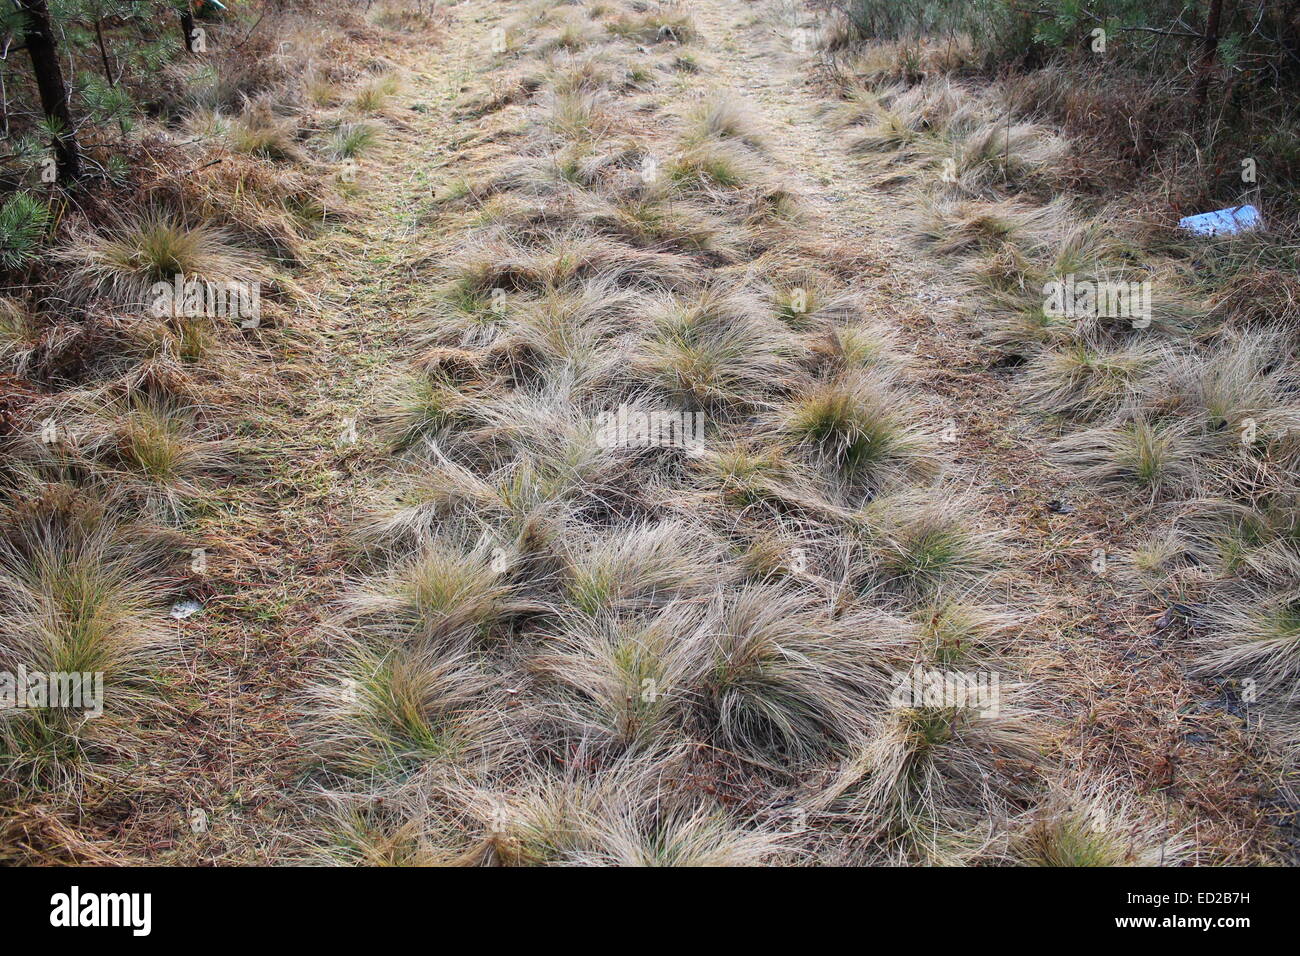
[183, 609]
[1223, 222]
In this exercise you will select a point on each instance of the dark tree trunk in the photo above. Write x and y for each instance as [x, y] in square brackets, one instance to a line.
[187, 27]
[1209, 47]
[39, 39]
[103, 50]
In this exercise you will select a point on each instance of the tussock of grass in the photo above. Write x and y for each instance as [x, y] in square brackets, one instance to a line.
[1260, 540]
[746, 476]
[643, 566]
[81, 591]
[349, 140]
[421, 407]
[776, 675]
[856, 427]
[717, 350]
[373, 95]
[1156, 458]
[396, 711]
[657, 222]
[864, 346]
[969, 226]
[932, 767]
[995, 156]
[953, 633]
[443, 595]
[579, 117]
[1257, 637]
[924, 547]
[125, 261]
[899, 118]
[668, 23]
[570, 38]
[710, 165]
[725, 119]
[624, 681]
[588, 74]
[159, 442]
[567, 261]
[190, 340]
[1089, 383]
[1096, 825]
[1244, 387]
[621, 818]
[320, 91]
[19, 332]
[261, 134]
[809, 301]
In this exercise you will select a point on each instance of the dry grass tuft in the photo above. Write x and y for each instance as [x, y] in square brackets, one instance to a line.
[124, 262]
